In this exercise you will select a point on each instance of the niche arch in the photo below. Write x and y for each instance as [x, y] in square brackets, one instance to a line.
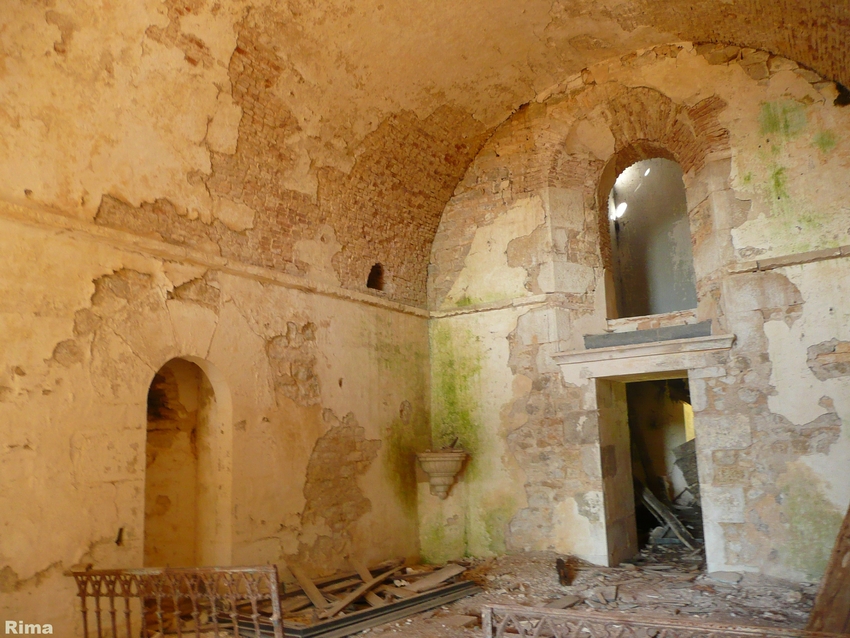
[188, 475]
[647, 125]
[646, 241]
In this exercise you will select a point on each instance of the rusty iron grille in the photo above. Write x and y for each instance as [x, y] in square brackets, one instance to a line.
[501, 621]
[205, 602]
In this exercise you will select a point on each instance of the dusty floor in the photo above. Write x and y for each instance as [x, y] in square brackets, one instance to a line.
[666, 582]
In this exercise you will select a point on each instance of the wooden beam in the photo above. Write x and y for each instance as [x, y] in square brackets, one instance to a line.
[365, 575]
[664, 515]
[435, 578]
[313, 593]
[831, 612]
[357, 593]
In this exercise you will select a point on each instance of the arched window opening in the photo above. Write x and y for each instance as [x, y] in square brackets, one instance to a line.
[375, 280]
[651, 255]
[182, 479]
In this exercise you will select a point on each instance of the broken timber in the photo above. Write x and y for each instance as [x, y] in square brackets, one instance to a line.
[370, 617]
[357, 593]
[664, 515]
[356, 601]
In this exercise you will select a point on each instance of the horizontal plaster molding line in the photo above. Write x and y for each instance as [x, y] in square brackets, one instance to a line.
[798, 259]
[123, 240]
[556, 298]
[521, 302]
[694, 345]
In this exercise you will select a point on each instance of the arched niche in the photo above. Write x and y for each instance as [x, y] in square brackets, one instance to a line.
[647, 239]
[188, 477]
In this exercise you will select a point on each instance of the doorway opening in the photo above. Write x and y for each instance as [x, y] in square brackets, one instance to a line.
[649, 466]
[663, 452]
[651, 257]
[187, 476]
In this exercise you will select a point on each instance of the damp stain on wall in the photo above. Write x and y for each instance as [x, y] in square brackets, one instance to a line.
[455, 368]
[810, 521]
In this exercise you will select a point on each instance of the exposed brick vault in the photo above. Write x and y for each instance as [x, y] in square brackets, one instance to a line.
[384, 200]
[214, 180]
[644, 123]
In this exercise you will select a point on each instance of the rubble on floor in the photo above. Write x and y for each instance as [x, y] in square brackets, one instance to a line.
[349, 603]
[665, 581]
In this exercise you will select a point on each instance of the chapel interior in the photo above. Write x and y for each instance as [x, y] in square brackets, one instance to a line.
[256, 256]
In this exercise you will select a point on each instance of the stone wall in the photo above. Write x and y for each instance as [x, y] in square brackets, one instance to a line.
[280, 136]
[320, 400]
[518, 275]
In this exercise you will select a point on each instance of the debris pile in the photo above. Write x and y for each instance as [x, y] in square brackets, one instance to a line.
[352, 602]
[664, 581]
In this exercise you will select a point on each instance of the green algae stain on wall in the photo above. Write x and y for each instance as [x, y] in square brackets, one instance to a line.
[784, 118]
[405, 436]
[455, 369]
[496, 520]
[778, 183]
[442, 542]
[434, 544]
[780, 122]
[825, 141]
[812, 523]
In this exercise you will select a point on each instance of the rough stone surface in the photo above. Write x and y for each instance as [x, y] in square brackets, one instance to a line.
[770, 416]
[86, 327]
[192, 179]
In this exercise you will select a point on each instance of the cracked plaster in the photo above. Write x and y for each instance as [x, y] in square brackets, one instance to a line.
[753, 432]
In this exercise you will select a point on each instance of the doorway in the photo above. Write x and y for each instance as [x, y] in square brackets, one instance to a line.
[663, 451]
[187, 476]
[649, 468]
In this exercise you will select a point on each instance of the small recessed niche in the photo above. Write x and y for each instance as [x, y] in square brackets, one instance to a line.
[375, 280]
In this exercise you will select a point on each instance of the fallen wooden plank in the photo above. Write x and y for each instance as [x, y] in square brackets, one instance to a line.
[374, 600]
[313, 593]
[664, 515]
[340, 586]
[432, 580]
[342, 603]
[360, 567]
[398, 592]
[357, 621]
[296, 603]
[327, 582]
[831, 612]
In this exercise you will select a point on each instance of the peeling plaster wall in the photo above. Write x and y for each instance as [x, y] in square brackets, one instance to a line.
[249, 128]
[320, 402]
[766, 158]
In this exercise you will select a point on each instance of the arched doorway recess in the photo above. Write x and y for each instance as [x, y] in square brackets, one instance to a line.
[188, 475]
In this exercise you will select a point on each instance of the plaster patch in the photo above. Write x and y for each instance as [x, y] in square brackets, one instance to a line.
[561, 275]
[565, 207]
[486, 275]
[235, 215]
[596, 136]
[723, 504]
[318, 255]
[573, 533]
[797, 390]
[223, 131]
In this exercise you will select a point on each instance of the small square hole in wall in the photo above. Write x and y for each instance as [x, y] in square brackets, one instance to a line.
[375, 281]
